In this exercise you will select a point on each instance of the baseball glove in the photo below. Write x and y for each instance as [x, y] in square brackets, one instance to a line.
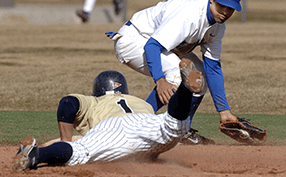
[242, 131]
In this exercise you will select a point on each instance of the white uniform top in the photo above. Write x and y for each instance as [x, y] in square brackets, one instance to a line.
[175, 21]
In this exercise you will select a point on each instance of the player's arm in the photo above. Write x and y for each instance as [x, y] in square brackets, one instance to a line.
[215, 82]
[66, 113]
[153, 57]
[66, 130]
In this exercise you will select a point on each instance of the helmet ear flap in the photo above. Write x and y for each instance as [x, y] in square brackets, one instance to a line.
[109, 82]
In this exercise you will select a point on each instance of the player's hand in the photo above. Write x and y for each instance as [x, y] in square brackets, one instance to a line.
[165, 90]
[226, 116]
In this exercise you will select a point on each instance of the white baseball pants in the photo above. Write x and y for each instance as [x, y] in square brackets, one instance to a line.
[129, 50]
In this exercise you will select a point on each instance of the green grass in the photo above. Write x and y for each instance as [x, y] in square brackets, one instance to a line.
[15, 125]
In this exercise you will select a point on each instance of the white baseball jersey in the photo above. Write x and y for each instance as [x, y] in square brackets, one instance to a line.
[175, 21]
[140, 136]
[173, 24]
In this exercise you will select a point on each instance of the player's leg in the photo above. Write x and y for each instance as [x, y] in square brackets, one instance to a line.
[180, 103]
[192, 138]
[176, 122]
[29, 155]
[197, 97]
[129, 49]
[56, 154]
[88, 6]
[86, 11]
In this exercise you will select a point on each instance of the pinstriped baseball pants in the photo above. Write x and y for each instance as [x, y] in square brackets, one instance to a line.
[139, 136]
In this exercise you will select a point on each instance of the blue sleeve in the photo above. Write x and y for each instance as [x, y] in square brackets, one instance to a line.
[215, 82]
[153, 57]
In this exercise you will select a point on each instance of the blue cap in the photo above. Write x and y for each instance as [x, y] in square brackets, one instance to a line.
[235, 4]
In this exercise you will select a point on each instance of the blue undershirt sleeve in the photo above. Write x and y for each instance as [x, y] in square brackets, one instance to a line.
[215, 82]
[153, 57]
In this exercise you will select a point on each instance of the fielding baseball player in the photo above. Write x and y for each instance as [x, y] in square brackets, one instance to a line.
[88, 6]
[140, 136]
[155, 40]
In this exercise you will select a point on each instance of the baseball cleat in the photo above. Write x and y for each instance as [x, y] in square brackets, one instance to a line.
[191, 138]
[82, 15]
[27, 156]
[191, 77]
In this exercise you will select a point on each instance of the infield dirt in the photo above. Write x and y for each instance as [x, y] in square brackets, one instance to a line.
[42, 63]
[183, 161]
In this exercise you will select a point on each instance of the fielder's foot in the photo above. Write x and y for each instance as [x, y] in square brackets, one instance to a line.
[27, 156]
[82, 15]
[191, 77]
[191, 138]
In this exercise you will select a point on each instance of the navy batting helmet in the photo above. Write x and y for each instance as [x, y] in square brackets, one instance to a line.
[109, 82]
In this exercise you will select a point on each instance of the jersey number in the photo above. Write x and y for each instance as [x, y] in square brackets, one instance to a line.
[124, 106]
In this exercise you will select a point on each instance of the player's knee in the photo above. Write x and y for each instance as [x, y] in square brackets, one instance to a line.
[67, 109]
